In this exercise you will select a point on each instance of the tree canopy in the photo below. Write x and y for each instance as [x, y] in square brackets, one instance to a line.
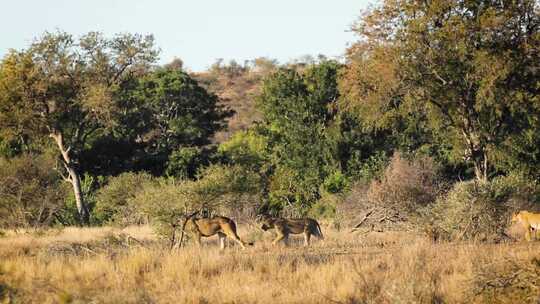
[472, 67]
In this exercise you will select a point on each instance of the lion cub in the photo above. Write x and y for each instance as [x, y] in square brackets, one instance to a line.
[284, 227]
[529, 220]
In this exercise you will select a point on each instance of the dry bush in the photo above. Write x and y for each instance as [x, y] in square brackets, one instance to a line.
[480, 211]
[507, 280]
[392, 203]
[406, 184]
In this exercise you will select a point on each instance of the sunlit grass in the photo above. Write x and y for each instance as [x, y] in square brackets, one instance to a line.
[106, 265]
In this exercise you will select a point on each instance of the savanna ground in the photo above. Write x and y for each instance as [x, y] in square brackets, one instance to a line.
[111, 265]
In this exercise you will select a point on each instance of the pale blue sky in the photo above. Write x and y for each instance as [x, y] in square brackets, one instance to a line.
[197, 31]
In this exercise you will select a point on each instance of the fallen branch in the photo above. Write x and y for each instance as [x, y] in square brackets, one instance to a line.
[129, 238]
[363, 220]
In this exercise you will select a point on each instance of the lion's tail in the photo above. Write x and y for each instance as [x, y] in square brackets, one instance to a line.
[320, 231]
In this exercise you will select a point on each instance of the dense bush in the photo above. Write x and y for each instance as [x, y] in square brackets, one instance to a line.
[218, 189]
[184, 162]
[31, 192]
[480, 211]
[114, 201]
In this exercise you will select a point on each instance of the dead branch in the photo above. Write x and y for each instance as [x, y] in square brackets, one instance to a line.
[363, 220]
[184, 226]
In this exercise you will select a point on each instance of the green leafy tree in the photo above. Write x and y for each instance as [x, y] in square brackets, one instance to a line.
[182, 114]
[64, 88]
[471, 66]
[165, 116]
[298, 109]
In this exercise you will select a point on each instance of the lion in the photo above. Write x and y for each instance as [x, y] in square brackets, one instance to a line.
[206, 227]
[284, 227]
[530, 221]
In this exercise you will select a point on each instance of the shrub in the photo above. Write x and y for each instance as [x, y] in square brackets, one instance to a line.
[406, 184]
[31, 192]
[184, 162]
[219, 189]
[246, 148]
[335, 183]
[508, 281]
[392, 202]
[69, 215]
[480, 211]
[114, 201]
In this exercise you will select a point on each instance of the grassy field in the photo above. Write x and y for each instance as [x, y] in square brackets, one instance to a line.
[108, 265]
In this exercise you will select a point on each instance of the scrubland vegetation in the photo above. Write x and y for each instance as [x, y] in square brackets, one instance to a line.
[413, 151]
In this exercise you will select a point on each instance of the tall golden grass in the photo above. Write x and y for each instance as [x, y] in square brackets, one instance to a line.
[106, 265]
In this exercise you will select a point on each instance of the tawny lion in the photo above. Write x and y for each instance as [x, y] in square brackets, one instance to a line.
[206, 227]
[529, 220]
[284, 227]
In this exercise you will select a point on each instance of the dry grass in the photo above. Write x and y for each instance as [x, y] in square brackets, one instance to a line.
[106, 265]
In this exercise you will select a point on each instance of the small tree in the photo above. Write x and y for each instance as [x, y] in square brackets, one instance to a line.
[64, 88]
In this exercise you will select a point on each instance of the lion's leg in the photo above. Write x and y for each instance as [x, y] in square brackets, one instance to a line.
[280, 236]
[528, 234]
[197, 238]
[235, 237]
[307, 237]
[222, 236]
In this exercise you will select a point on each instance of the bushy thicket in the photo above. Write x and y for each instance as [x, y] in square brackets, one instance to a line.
[31, 194]
[115, 203]
[393, 200]
[480, 211]
[406, 184]
[218, 189]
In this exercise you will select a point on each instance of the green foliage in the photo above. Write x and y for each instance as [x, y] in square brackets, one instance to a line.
[218, 189]
[297, 110]
[184, 162]
[326, 206]
[468, 70]
[246, 148]
[62, 88]
[114, 201]
[69, 214]
[167, 117]
[31, 195]
[183, 113]
[336, 182]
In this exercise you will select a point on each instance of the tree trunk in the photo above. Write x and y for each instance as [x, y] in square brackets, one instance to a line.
[481, 167]
[477, 151]
[74, 178]
[82, 209]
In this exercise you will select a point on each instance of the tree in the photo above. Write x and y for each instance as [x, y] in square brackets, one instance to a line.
[297, 110]
[471, 66]
[64, 88]
[181, 114]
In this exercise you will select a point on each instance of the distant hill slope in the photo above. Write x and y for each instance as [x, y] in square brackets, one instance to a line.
[237, 86]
